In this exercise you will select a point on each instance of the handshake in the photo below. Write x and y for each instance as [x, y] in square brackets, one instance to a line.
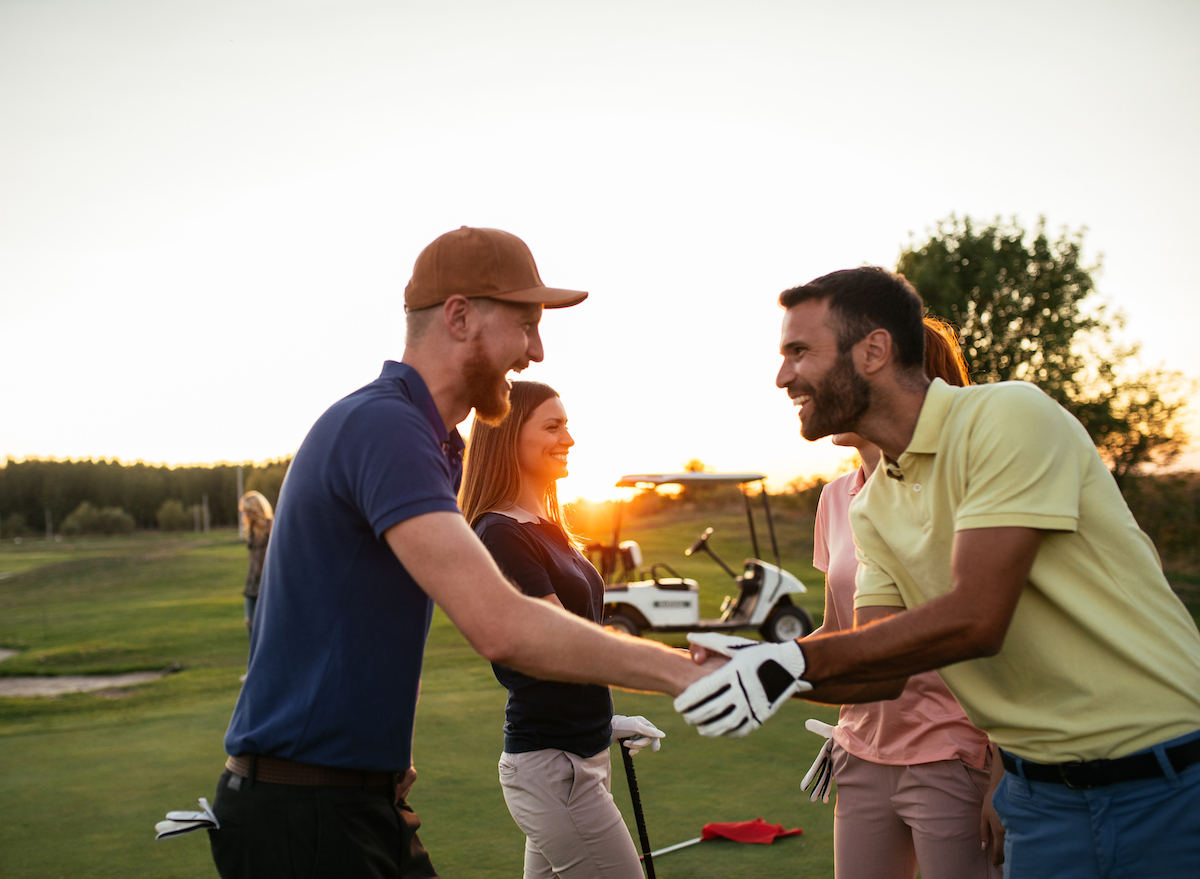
[738, 697]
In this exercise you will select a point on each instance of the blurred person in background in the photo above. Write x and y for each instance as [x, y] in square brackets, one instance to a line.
[257, 518]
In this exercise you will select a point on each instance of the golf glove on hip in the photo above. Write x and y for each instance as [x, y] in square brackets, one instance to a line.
[737, 698]
[636, 733]
[819, 775]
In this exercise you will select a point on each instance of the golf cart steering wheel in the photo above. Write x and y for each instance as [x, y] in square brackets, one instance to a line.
[700, 541]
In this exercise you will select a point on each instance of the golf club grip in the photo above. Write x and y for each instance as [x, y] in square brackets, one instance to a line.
[637, 809]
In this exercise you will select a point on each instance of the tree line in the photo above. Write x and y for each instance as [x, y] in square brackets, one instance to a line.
[1022, 301]
[39, 495]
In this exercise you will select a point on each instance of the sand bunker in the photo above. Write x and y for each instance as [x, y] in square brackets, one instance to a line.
[69, 684]
[57, 686]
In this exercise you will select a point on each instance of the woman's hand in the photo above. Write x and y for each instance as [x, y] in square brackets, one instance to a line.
[636, 733]
[991, 830]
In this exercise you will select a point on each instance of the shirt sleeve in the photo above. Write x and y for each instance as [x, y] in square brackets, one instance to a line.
[874, 587]
[519, 558]
[393, 465]
[1023, 466]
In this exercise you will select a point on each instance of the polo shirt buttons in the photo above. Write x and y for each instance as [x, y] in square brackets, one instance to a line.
[917, 487]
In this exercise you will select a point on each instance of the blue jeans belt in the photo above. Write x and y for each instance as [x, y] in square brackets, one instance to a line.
[1084, 774]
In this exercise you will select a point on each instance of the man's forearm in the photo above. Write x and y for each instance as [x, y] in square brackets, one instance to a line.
[906, 644]
[853, 694]
[989, 570]
[567, 648]
[452, 566]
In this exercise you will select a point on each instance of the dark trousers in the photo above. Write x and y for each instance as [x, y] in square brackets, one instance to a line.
[292, 831]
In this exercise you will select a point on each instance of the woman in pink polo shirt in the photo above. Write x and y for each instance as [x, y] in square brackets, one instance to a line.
[912, 774]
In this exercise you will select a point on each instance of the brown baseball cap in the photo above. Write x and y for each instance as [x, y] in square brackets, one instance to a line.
[479, 263]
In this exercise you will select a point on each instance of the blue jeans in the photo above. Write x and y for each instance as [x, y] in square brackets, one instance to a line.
[1138, 829]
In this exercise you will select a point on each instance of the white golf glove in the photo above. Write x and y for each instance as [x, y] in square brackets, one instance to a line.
[737, 698]
[822, 769]
[636, 733]
[185, 822]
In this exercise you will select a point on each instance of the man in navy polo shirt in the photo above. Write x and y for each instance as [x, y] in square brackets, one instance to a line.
[367, 537]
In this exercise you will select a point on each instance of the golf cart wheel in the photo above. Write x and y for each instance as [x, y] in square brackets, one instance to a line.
[787, 623]
[623, 624]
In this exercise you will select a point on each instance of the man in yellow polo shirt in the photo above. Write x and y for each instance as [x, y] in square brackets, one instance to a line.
[995, 546]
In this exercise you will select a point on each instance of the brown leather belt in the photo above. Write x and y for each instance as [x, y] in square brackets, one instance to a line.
[276, 770]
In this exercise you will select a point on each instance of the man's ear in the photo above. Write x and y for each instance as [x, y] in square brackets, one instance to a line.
[456, 312]
[874, 351]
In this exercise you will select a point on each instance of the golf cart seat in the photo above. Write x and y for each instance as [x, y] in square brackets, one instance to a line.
[749, 589]
[630, 553]
[615, 563]
[674, 583]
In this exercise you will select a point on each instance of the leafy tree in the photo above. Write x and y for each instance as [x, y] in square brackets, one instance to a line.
[13, 526]
[268, 478]
[86, 519]
[1142, 423]
[1019, 300]
[172, 516]
[802, 493]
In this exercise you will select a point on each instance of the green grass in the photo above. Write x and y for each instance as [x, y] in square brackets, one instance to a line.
[86, 776]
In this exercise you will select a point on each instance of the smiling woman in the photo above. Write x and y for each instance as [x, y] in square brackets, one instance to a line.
[493, 478]
[543, 444]
[556, 735]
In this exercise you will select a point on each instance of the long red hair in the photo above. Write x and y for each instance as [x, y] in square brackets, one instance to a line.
[943, 353]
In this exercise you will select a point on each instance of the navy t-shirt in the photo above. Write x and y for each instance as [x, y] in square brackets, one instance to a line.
[340, 628]
[549, 714]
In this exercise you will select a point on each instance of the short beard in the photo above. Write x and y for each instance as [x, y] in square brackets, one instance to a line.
[482, 381]
[839, 402]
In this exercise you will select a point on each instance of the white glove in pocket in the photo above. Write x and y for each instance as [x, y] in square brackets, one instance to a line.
[816, 780]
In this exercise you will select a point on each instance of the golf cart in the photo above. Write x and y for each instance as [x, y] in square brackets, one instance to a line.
[657, 599]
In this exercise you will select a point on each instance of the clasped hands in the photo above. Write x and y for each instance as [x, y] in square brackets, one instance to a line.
[737, 698]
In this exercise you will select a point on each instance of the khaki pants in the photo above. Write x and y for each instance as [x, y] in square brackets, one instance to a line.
[889, 819]
[563, 804]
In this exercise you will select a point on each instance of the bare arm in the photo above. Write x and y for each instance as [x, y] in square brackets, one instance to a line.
[533, 636]
[989, 569]
[829, 620]
[876, 691]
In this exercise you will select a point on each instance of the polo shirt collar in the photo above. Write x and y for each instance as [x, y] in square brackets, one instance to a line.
[934, 411]
[418, 392]
[857, 483]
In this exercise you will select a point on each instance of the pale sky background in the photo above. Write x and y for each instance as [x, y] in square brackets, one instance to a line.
[209, 210]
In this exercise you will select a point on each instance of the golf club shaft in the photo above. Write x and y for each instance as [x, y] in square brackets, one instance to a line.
[677, 846]
[637, 809]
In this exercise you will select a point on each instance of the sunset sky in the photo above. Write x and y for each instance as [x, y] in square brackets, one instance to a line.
[209, 210]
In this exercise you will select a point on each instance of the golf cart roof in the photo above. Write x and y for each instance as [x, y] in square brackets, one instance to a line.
[635, 479]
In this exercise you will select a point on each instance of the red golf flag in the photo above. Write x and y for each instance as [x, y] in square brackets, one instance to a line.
[757, 830]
